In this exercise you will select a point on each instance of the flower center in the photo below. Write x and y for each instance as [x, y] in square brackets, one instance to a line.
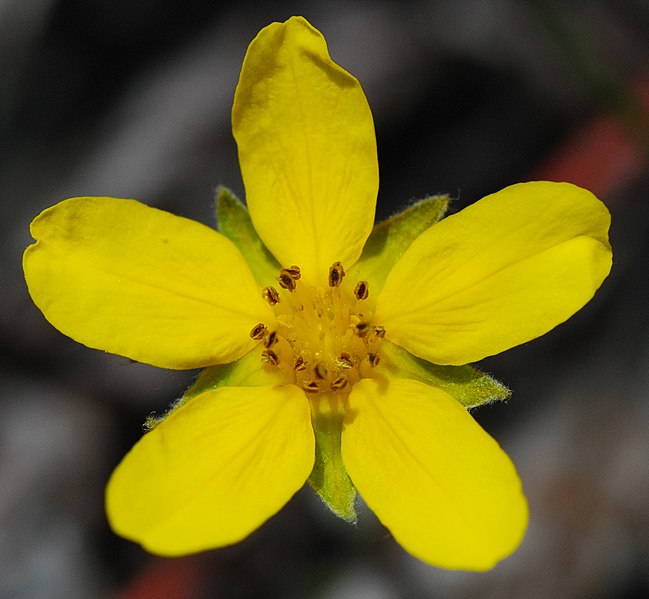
[323, 338]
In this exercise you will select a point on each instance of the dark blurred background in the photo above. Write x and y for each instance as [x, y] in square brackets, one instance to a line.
[132, 99]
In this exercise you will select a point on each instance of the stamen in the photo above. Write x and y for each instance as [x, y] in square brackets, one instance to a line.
[311, 386]
[258, 331]
[270, 339]
[293, 271]
[270, 356]
[362, 329]
[286, 281]
[339, 383]
[345, 360]
[322, 340]
[361, 291]
[271, 295]
[336, 274]
[320, 371]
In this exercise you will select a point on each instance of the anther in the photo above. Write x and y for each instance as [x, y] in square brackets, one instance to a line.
[361, 291]
[258, 331]
[379, 331]
[311, 387]
[300, 364]
[338, 383]
[293, 272]
[374, 359]
[286, 281]
[345, 360]
[270, 356]
[270, 339]
[362, 329]
[271, 295]
[320, 371]
[336, 274]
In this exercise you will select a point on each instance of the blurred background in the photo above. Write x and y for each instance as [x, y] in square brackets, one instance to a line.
[132, 99]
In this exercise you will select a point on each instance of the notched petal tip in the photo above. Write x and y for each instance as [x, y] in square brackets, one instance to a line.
[307, 149]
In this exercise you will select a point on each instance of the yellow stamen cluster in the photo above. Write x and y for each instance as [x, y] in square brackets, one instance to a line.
[323, 338]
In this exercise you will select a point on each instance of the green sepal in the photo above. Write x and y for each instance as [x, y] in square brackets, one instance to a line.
[392, 237]
[234, 222]
[329, 478]
[466, 384]
[248, 371]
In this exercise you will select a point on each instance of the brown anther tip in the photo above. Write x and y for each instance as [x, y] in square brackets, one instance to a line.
[271, 295]
[362, 329]
[339, 383]
[288, 277]
[320, 371]
[379, 331]
[300, 364]
[270, 356]
[362, 291]
[345, 360]
[258, 331]
[311, 387]
[336, 274]
[374, 359]
[286, 281]
[293, 271]
[270, 339]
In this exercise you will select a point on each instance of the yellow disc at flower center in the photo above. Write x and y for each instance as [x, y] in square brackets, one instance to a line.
[324, 337]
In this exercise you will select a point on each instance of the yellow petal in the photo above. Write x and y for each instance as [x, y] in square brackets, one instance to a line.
[437, 481]
[307, 150]
[140, 282]
[499, 273]
[214, 470]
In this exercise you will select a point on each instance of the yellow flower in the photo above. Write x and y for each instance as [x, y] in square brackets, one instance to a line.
[343, 365]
